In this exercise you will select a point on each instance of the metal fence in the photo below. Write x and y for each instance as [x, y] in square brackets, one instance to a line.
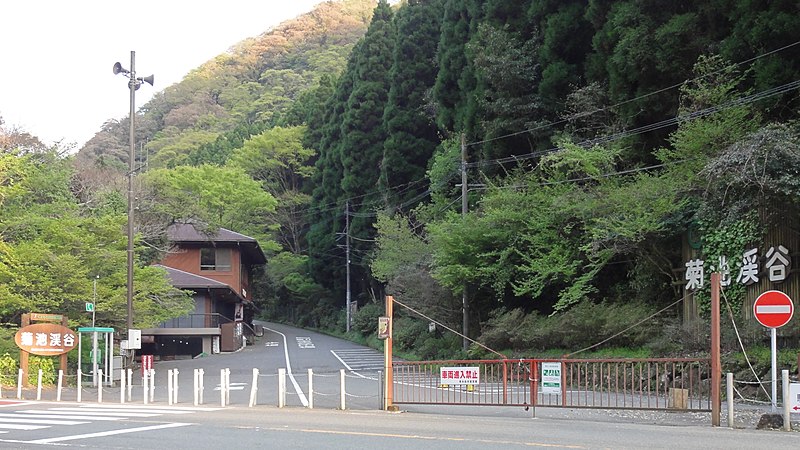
[653, 384]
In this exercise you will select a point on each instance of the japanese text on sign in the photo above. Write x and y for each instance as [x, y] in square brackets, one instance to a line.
[777, 262]
[551, 378]
[459, 375]
[45, 339]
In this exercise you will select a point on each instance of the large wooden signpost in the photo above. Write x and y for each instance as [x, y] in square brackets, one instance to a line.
[46, 337]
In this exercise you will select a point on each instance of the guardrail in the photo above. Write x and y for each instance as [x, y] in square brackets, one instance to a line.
[653, 384]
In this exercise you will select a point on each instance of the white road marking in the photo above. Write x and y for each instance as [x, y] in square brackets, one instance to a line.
[297, 389]
[234, 387]
[108, 433]
[17, 426]
[101, 413]
[62, 415]
[150, 408]
[35, 420]
[348, 367]
[271, 344]
[304, 342]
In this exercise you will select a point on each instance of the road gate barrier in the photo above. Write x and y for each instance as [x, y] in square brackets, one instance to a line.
[652, 383]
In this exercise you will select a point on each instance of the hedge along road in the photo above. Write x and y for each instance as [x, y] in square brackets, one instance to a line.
[281, 346]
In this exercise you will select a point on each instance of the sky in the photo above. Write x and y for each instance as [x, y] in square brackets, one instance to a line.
[56, 56]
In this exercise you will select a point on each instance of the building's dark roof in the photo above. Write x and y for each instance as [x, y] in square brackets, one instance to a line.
[186, 233]
[186, 280]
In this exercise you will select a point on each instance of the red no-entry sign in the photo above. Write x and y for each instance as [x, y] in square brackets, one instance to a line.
[773, 309]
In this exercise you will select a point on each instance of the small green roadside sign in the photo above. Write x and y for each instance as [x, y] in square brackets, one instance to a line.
[89, 307]
[551, 378]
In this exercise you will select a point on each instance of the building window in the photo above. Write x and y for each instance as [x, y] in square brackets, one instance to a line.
[218, 259]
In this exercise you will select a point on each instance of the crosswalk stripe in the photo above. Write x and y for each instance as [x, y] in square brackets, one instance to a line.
[151, 408]
[126, 411]
[17, 426]
[50, 415]
[39, 421]
[99, 413]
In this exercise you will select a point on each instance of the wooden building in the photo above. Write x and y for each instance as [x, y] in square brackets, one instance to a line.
[217, 268]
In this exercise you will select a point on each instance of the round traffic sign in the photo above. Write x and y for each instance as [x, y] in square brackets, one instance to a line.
[773, 309]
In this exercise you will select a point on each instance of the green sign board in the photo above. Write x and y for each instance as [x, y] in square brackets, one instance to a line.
[551, 378]
[97, 329]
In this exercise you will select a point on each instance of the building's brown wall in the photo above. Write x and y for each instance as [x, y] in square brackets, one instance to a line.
[187, 259]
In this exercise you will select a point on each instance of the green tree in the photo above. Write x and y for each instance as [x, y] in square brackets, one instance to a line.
[411, 130]
[217, 196]
[278, 159]
[456, 83]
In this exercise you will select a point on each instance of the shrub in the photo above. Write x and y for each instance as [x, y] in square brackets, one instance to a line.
[8, 370]
[365, 320]
[583, 325]
[48, 367]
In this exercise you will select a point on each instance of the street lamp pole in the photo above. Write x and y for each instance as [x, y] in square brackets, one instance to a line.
[133, 85]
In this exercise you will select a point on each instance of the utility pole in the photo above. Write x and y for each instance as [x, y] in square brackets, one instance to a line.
[464, 206]
[347, 257]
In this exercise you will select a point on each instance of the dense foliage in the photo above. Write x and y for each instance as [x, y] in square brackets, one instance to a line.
[597, 134]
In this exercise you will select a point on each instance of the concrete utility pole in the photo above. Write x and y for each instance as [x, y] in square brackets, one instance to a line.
[347, 257]
[464, 206]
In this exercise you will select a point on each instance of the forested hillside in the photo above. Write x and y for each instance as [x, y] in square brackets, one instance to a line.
[596, 135]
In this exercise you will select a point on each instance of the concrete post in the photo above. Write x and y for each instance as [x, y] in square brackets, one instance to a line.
[729, 378]
[281, 387]
[310, 389]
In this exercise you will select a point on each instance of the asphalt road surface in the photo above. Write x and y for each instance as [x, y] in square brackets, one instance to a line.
[210, 425]
[139, 427]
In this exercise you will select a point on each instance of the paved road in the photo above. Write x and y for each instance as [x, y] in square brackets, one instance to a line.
[137, 427]
[159, 425]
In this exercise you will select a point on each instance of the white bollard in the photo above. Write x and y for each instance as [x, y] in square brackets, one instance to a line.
[169, 387]
[222, 387]
[175, 386]
[100, 386]
[341, 389]
[196, 386]
[60, 384]
[145, 386]
[787, 412]
[152, 373]
[310, 389]
[122, 385]
[130, 383]
[19, 385]
[729, 378]
[281, 387]
[202, 384]
[228, 386]
[254, 388]
[80, 385]
[39, 386]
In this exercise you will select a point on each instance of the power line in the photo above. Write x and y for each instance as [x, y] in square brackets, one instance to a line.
[606, 108]
[650, 127]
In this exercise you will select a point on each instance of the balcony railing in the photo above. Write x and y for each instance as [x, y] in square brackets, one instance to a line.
[213, 320]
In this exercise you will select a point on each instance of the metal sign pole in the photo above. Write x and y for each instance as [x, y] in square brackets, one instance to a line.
[774, 347]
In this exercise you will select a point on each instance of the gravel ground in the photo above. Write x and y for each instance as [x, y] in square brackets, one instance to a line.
[746, 416]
